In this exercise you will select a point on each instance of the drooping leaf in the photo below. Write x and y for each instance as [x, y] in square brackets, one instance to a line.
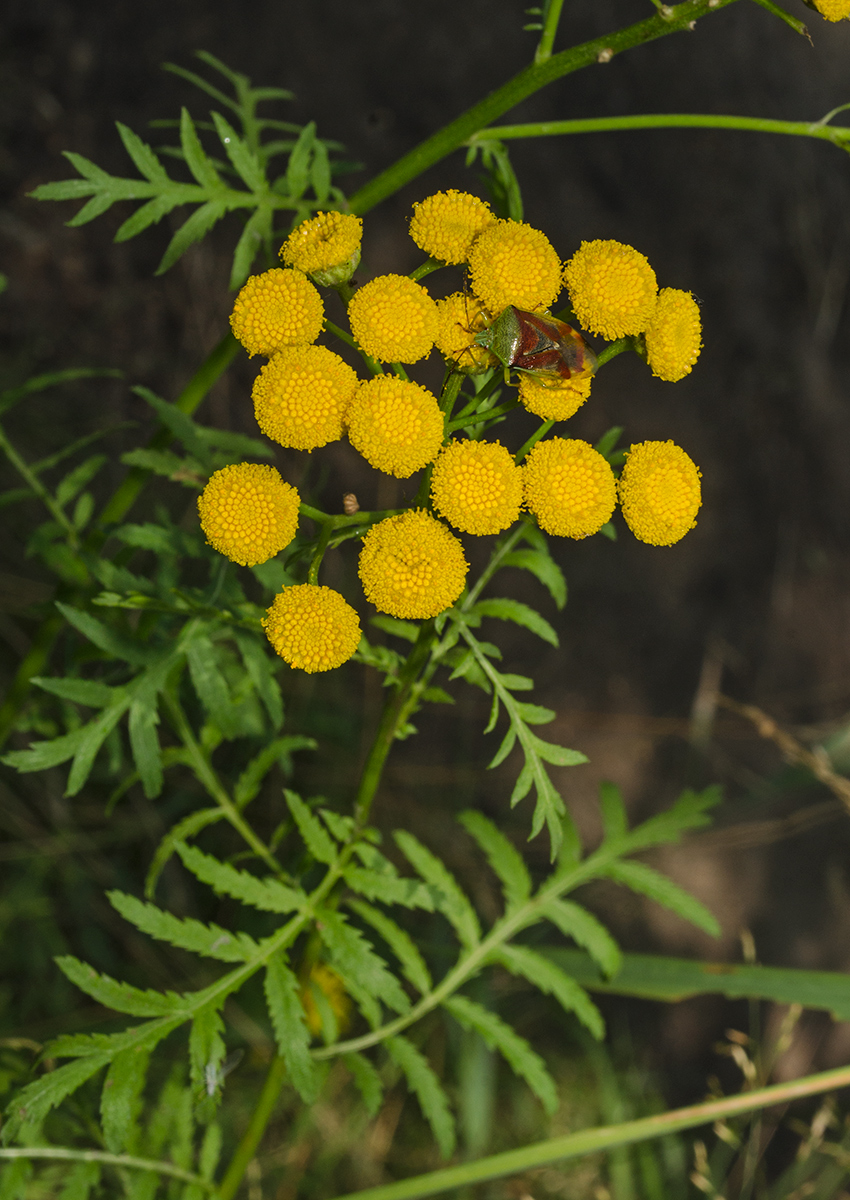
[209, 683]
[42, 755]
[268, 895]
[428, 1090]
[400, 942]
[261, 670]
[543, 974]
[448, 896]
[502, 856]
[524, 1061]
[368, 1081]
[290, 1028]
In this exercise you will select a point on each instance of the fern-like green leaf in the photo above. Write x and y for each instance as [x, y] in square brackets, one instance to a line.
[428, 1091]
[691, 811]
[290, 1028]
[502, 856]
[211, 941]
[524, 1061]
[449, 898]
[121, 997]
[400, 942]
[389, 889]
[81, 1180]
[94, 735]
[209, 683]
[544, 568]
[357, 962]
[268, 895]
[243, 161]
[34, 1102]
[196, 157]
[368, 1081]
[580, 925]
[144, 159]
[192, 230]
[42, 755]
[120, 1100]
[543, 974]
[206, 1047]
[257, 230]
[278, 751]
[641, 878]
[104, 638]
[188, 827]
[520, 614]
[315, 837]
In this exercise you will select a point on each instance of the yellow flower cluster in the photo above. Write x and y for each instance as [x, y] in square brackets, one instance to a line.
[553, 403]
[393, 319]
[832, 10]
[301, 397]
[276, 309]
[327, 247]
[445, 225]
[248, 513]
[396, 425]
[312, 627]
[612, 288]
[674, 335]
[659, 492]
[477, 487]
[569, 487]
[512, 263]
[411, 566]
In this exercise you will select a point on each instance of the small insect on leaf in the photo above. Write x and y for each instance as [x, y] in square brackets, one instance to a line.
[542, 346]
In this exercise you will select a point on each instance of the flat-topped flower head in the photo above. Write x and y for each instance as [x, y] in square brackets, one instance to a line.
[477, 486]
[326, 246]
[395, 424]
[832, 10]
[312, 627]
[248, 513]
[674, 335]
[512, 263]
[660, 492]
[393, 319]
[612, 288]
[461, 317]
[278, 308]
[301, 397]
[553, 401]
[445, 225]
[411, 566]
[569, 487]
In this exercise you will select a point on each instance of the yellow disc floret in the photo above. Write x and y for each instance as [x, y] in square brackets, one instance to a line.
[612, 288]
[460, 319]
[445, 225]
[553, 401]
[411, 566]
[511, 263]
[312, 627]
[393, 319]
[477, 487]
[326, 246]
[659, 492]
[275, 309]
[833, 10]
[569, 487]
[395, 424]
[330, 988]
[301, 396]
[248, 513]
[673, 335]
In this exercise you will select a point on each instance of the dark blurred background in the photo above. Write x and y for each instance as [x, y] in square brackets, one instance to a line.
[755, 600]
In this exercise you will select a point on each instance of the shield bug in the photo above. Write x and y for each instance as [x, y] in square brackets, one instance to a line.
[542, 346]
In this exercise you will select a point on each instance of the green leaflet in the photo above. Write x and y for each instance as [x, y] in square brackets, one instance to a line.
[268, 895]
[361, 968]
[543, 974]
[520, 614]
[428, 1091]
[188, 827]
[389, 888]
[82, 1177]
[502, 856]
[34, 1102]
[448, 896]
[544, 568]
[78, 478]
[120, 1101]
[691, 811]
[514, 1049]
[641, 878]
[121, 997]
[368, 1081]
[14, 1179]
[206, 1047]
[209, 940]
[400, 942]
[580, 925]
[614, 820]
[290, 1028]
[311, 829]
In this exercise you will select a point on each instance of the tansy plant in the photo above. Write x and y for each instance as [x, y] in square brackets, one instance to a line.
[165, 636]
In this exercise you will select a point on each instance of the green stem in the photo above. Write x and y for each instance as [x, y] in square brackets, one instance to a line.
[526, 83]
[550, 28]
[34, 483]
[838, 135]
[603, 1138]
[533, 440]
[429, 265]
[111, 1160]
[372, 364]
[206, 775]
[252, 1136]
[500, 550]
[613, 349]
[321, 547]
[481, 417]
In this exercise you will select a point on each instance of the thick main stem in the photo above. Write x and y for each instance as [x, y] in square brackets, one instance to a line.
[253, 1135]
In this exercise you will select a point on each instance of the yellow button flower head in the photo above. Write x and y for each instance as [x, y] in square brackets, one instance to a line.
[569, 487]
[393, 319]
[326, 246]
[330, 986]
[301, 396]
[833, 10]
[248, 513]
[445, 225]
[673, 335]
[312, 627]
[511, 263]
[275, 309]
[612, 288]
[659, 492]
[477, 487]
[411, 566]
[554, 402]
[396, 425]
[460, 319]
